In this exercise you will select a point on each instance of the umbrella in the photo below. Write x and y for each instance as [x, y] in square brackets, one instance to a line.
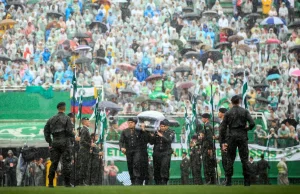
[183, 69]
[4, 58]
[153, 77]
[292, 122]
[62, 53]
[177, 42]
[262, 99]
[173, 122]
[272, 21]
[296, 73]
[244, 47]
[185, 50]
[205, 47]
[83, 47]
[100, 25]
[128, 91]
[187, 9]
[235, 38]
[126, 67]
[186, 85]
[109, 105]
[273, 76]
[155, 101]
[210, 13]
[295, 24]
[249, 41]
[212, 54]
[273, 41]
[155, 95]
[260, 86]
[253, 15]
[53, 24]
[240, 72]
[123, 126]
[83, 60]
[191, 16]
[194, 41]
[141, 99]
[81, 35]
[192, 54]
[7, 22]
[55, 14]
[294, 48]
[69, 43]
[228, 29]
[100, 60]
[111, 96]
[227, 44]
[19, 59]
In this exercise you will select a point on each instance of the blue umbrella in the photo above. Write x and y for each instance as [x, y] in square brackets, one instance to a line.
[272, 21]
[255, 41]
[273, 76]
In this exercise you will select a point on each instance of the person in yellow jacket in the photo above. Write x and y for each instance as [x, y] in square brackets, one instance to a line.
[282, 173]
[266, 6]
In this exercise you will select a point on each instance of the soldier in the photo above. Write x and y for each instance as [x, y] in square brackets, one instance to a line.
[162, 151]
[133, 143]
[236, 121]
[221, 114]
[262, 170]
[185, 169]
[208, 150]
[196, 158]
[85, 145]
[60, 128]
[95, 162]
[252, 171]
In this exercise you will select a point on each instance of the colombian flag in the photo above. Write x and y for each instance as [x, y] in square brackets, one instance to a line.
[89, 96]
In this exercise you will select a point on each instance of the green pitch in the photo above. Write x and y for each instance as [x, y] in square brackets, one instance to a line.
[155, 190]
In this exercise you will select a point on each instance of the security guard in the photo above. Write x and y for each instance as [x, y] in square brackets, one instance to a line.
[58, 133]
[185, 169]
[133, 143]
[162, 151]
[221, 114]
[236, 120]
[84, 151]
[196, 158]
[208, 152]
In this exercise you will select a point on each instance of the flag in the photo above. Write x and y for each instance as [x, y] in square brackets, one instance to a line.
[79, 109]
[187, 127]
[244, 90]
[103, 122]
[194, 114]
[87, 99]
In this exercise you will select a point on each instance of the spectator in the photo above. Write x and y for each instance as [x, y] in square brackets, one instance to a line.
[10, 165]
[282, 178]
[260, 135]
[113, 171]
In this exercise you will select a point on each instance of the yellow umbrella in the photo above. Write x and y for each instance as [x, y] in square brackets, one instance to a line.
[7, 22]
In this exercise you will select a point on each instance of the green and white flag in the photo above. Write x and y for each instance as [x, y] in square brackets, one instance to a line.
[103, 124]
[187, 127]
[244, 90]
[194, 114]
[79, 114]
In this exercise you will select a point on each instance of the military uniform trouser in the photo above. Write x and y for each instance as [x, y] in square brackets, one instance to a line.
[55, 154]
[184, 178]
[94, 169]
[196, 172]
[134, 164]
[161, 161]
[263, 178]
[83, 155]
[209, 171]
[242, 144]
[224, 160]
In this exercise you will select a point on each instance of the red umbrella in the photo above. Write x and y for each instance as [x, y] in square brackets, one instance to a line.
[126, 67]
[69, 43]
[273, 41]
[186, 85]
[153, 77]
[296, 73]
[123, 126]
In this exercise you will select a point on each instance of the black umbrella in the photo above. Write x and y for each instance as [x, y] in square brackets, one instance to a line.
[192, 54]
[213, 54]
[177, 42]
[55, 14]
[100, 25]
[81, 35]
[227, 44]
[187, 9]
[183, 69]
[19, 59]
[83, 60]
[262, 99]
[100, 60]
[295, 24]
[62, 53]
[109, 105]
[292, 122]
[240, 72]
[185, 50]
[173, 122]
[194, 41]
[295, 48]
[243, 47]
[191, 16]
[4, 58]
[155, 101]
[111, 96]
[210, 13]
[253, 15]
[260, 86]
[128, 91]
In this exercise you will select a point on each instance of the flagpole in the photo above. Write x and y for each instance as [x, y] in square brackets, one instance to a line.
[74, 112]
[213, 126]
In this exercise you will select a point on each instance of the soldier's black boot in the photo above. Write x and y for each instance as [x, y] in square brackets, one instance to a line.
[228, 181]
[50, 185]
[246, 181]
[67, 183]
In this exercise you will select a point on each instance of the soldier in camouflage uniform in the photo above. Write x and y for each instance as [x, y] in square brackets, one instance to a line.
[208, 152]
[185, 169]
[58, 132]
[196, 158]
[84, 151]
[235, 120]
[162, 151]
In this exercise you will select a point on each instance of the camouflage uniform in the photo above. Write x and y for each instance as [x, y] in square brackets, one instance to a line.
[95, 166]
[60, 127]
[84, 153]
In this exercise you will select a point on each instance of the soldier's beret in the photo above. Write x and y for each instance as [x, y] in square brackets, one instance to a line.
[206, 116]
[164, 122]
[222, 110]
[60, 105]
[184, 153]
[251, 157]
[85, 119]
[235, 99]
[132, 120]
[71, 115]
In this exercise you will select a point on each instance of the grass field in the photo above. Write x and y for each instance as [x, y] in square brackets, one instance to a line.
[154, 190]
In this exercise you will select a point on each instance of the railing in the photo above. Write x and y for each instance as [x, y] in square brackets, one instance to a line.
[12, 88]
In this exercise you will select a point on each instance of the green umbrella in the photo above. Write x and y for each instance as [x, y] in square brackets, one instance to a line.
[156, 95]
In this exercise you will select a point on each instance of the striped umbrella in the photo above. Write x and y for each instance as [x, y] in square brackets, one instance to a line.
[272, 21]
